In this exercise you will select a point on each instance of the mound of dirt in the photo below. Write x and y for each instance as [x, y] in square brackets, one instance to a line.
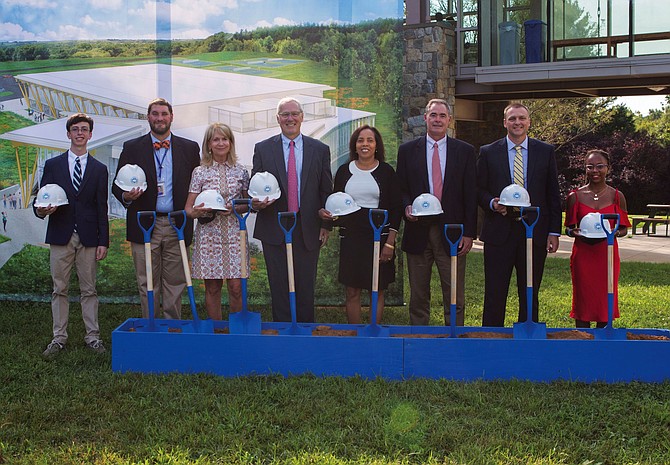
[323, 330]
[570, 334]
[486, 335]
[646, 337]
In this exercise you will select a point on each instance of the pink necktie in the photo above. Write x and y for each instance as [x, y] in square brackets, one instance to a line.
[292, 179]
[437, 173]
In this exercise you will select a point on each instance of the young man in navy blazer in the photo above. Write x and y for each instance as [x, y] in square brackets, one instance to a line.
[503, 233]
[168, 162]
[424, 164]
[77, 233]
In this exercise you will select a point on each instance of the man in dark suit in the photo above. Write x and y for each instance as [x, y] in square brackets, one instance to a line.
[314, 184]
[445, 167]
[77, 233]
[503, 233]
[167, 161]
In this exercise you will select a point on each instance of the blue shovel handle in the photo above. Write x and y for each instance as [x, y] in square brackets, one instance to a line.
[146, 231]
[531, 226]
[178, 229]
[610, 234]
[378, 229]
[288, 232]
[453, 246]
[242, 218]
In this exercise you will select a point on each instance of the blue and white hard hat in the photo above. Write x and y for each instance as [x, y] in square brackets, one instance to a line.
[51, 194]
[262, 185]
[426, 205]
[592, 228]
[130, 177]
[514, 195]
[212, 199]
[340, 204]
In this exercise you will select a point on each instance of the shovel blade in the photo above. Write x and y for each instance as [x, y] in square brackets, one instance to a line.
[244, 322]
[295, 329]
[373, 330]
[610, 333]
[530, 330]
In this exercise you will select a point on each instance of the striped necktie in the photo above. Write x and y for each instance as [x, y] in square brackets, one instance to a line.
[518, 167]
[76, 178]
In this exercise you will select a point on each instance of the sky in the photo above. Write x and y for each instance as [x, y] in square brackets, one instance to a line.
[642, 104]
[45, 20]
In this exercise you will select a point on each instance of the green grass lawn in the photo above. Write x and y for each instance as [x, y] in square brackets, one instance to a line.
[74, 410]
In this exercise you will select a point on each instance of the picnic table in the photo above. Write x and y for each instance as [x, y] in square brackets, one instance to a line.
[658, 214]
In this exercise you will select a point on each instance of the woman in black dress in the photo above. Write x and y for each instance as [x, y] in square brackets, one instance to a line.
[373, 184]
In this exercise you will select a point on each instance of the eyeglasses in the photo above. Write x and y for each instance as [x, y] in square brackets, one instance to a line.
[598, 167]
[286, 114]
[83, 129]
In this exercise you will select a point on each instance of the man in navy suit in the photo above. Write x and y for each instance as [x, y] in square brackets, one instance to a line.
[503, 233]
[77, 233]
[314, 185]
[445, 167]
[167, 161]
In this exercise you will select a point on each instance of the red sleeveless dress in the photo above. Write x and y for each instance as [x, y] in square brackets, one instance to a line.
[588, 265]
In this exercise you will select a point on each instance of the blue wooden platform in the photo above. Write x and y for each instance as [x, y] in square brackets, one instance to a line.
[178, 346]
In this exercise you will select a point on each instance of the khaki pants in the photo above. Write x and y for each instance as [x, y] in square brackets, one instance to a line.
[61, 258]
[168, 271]
[420, 267]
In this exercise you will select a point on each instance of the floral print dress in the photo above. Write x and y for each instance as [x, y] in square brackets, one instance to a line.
[216, 245]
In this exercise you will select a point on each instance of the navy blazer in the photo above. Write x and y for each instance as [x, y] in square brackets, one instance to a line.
[140, 151]
[459, 191]
[316, 184]
[86, 208]
[493, 175]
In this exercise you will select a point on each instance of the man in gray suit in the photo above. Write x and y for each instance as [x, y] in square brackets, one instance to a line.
[292, 155]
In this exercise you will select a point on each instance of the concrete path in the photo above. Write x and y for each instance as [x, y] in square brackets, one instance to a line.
[23, 227]
[638, 248]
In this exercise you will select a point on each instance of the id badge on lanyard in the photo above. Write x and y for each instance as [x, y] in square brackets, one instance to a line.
[161, 181]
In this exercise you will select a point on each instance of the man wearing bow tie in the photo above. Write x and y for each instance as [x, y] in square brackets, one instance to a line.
[167, 161]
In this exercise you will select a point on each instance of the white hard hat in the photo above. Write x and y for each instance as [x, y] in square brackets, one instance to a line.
[262, 185]
[212, 199]
[514, 196]
[51, 194]
[592, 228]
[341, 203]
[426, 205]
[131, 176]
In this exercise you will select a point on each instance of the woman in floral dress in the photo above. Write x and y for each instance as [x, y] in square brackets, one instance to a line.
[216, 246]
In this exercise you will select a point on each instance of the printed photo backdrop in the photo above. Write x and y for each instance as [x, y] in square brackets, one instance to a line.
[227, 61]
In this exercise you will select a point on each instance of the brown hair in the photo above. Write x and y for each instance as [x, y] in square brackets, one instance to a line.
[78, 118]
[515, 105]
[159, 101]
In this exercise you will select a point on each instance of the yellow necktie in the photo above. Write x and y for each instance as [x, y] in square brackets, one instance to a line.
[518, 167]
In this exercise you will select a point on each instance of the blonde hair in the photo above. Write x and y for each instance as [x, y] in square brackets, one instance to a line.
[211, 130]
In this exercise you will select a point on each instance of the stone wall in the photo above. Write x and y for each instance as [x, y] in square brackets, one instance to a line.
[429, 70]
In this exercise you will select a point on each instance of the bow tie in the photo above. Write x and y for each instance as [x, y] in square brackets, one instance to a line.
[165, 144]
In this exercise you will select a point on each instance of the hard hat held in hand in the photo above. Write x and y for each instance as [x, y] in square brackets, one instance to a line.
[51, 194]
[426, 205]
[262, 185]
[340, 204]
[212, 199]
[131, 176]
[514, 196]
[592, 228]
